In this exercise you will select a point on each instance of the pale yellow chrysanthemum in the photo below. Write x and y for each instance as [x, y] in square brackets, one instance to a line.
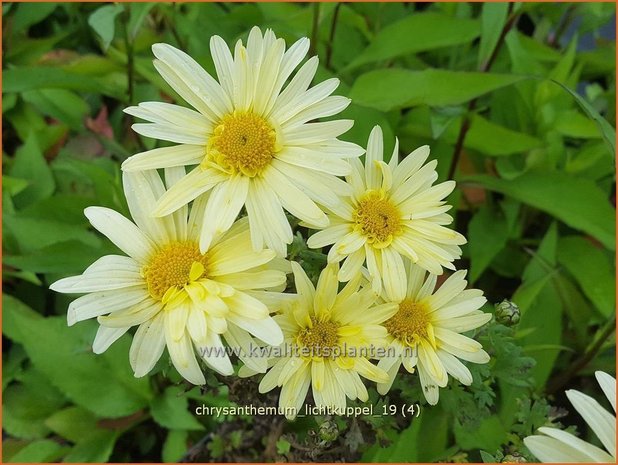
[328, 340]
[555, 445]
[425, 331]
[253, 137]
[394, 212]
[178, 296]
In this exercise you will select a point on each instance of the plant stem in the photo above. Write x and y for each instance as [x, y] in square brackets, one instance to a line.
[579, 364]
[485, 67]
[172, 27]
[313, 50]
[333, 28]
[554, 39]
[129, 46]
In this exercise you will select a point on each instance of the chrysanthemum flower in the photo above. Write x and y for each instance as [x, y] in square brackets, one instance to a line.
[328, 339]
[425, 333]
[254, 142]
[394, 212]
[555, 445]
[178, 296]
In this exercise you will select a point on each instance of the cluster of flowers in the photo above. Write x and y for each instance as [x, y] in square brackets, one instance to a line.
[195, 276]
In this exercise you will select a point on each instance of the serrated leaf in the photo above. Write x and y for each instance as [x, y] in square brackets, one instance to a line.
[170, 410]
[91, 381]
[576, 201]
[592, 270]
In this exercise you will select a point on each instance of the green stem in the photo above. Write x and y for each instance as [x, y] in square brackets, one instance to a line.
[313, 50]
[485, 67]
[579, 364]
[129, 47]
[331, 39]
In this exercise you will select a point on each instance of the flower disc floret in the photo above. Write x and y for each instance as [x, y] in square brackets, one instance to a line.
[173, 267]
[242, 142]
[377, 218]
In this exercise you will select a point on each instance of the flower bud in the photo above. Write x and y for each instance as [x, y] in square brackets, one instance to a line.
[507, 313]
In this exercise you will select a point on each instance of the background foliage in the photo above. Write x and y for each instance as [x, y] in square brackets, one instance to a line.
[518, 104]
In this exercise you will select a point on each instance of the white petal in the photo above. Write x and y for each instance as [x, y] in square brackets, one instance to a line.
[312, 133]
[201, 84]
[217, 359]
[600, 420]
[197, 182]
[265, 329]
[223, 207]
[293, 199]
[122, 232]
[393, 275]
[375, 149]
[142, 190]
[608, 384]
[165, 157]
[102, 303]
[183, 358]
[106, 337]
[147, 346]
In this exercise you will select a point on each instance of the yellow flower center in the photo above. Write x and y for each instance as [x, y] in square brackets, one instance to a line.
[320, 339]
[410, 323]
[173, 267]
[377, 218]
[242, 142]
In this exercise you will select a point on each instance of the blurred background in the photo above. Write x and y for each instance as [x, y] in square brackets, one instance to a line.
[516, 100]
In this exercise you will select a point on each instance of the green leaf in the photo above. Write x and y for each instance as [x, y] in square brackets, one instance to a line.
[577, 202]
[403, 449]
[175, 446]
[103, 21]
[545, 313]
[28, 14]
[170, 410]
[28, 404]
[13, 185]
[606, 129]
[487, 234]
[484, 136]
[139, 12]
[72, 423]
[91, 381]
[33, 233]
[69, 257]
[573, 124]
[592, 270]
[44, 450]
[48, 77]
[387, 89]
[493, 19]
[29, 164]
[61, 104]
[416, 33]
[96, 447]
